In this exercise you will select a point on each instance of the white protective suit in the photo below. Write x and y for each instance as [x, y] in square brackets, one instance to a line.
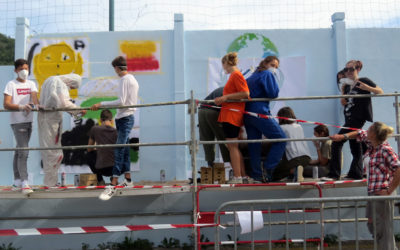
[54, 94]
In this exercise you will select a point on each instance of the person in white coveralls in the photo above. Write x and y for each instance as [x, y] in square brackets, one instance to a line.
[55, 94]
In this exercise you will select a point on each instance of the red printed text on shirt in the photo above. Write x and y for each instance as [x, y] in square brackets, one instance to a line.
[23, 91]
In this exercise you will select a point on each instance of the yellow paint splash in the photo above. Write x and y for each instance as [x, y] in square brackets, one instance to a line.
[57, 59]
[138, 49]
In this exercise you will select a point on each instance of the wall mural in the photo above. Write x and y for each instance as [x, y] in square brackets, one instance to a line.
[58, 56]
[94, 91]
[48, 57]
[290, 75]
[142, 56]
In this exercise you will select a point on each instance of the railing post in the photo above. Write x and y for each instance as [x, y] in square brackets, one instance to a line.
[193, 151]
[396, 107]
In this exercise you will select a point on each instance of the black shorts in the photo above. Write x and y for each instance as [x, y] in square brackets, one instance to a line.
[230, 131]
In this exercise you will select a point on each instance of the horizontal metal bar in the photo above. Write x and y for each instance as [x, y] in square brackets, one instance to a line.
[300, 98]
[310, 200]
[301, 222]
[105, 107]
[101, 146]
[211, 101]
[273, 140]
[183, 143]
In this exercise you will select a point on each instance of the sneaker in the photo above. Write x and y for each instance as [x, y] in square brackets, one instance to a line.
[247, 180]
[299, 174]
[126, 183]
[15, 188]
[26, 189]
[236, 180]
[327, 179]
[107, 193]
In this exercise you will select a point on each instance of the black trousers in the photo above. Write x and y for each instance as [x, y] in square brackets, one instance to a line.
[91, 161]
[356, 170]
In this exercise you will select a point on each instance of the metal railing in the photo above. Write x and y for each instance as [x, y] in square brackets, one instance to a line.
[193, 143]
[304, 203]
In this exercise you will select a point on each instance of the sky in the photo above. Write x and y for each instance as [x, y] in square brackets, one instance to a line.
[52, 16]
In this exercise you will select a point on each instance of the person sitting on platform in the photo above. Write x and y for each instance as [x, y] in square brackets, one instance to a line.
[296, 155]
[324, 153]
[104, 157]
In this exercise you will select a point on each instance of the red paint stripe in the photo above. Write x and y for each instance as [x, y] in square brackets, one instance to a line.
[7, 232]
[53, 230]
[95, 229]
[142, 64]
[139, 227]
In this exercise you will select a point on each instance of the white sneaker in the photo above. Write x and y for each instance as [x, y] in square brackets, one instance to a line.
[126, 183]
[236, 180]
[247, 180]
[26, 189]
[107, 193]
[15, 188]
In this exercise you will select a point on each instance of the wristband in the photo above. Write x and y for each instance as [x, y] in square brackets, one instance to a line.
[346, 137]
[21, 107]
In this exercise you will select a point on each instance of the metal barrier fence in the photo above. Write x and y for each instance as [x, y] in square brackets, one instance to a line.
[305, 205]
[193, 143]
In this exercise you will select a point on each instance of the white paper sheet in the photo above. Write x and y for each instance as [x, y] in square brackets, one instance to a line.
[244, 218]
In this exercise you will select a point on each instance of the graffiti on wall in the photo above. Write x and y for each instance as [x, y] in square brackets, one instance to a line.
[94, 91]
[48, 57]
[142, 56]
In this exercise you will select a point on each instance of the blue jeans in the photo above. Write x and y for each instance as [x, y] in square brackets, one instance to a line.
[255, 128]
[121, 155]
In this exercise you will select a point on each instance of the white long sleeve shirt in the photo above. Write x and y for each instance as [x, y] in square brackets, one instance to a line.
[127, 95]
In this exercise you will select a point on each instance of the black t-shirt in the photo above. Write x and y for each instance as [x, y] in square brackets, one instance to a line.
[104, 135]
[359, 108]
[216, 93]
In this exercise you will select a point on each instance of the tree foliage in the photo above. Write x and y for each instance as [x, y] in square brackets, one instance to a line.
[6, 50]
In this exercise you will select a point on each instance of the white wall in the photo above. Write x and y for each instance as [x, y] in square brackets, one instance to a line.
[375, 47]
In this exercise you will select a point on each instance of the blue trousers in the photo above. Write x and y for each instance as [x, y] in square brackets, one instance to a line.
[255, 128]
[121, 155]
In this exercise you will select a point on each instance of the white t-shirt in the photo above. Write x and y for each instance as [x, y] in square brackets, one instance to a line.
[128, 89]
[295, 148]
[20, 93]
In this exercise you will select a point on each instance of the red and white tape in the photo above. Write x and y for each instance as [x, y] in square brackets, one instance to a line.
[278, 117]
[95, 229]
[99, 187]
[180, 186]
[287, 183]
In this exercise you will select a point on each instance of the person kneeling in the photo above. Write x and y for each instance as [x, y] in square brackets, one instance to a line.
[296, 155]
[323, 148]
[104, 157]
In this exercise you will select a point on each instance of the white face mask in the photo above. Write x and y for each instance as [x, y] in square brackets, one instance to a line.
[23, 74]
[346, 81]
[272, 70]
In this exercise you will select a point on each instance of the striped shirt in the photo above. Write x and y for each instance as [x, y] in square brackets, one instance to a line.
[382, 164]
